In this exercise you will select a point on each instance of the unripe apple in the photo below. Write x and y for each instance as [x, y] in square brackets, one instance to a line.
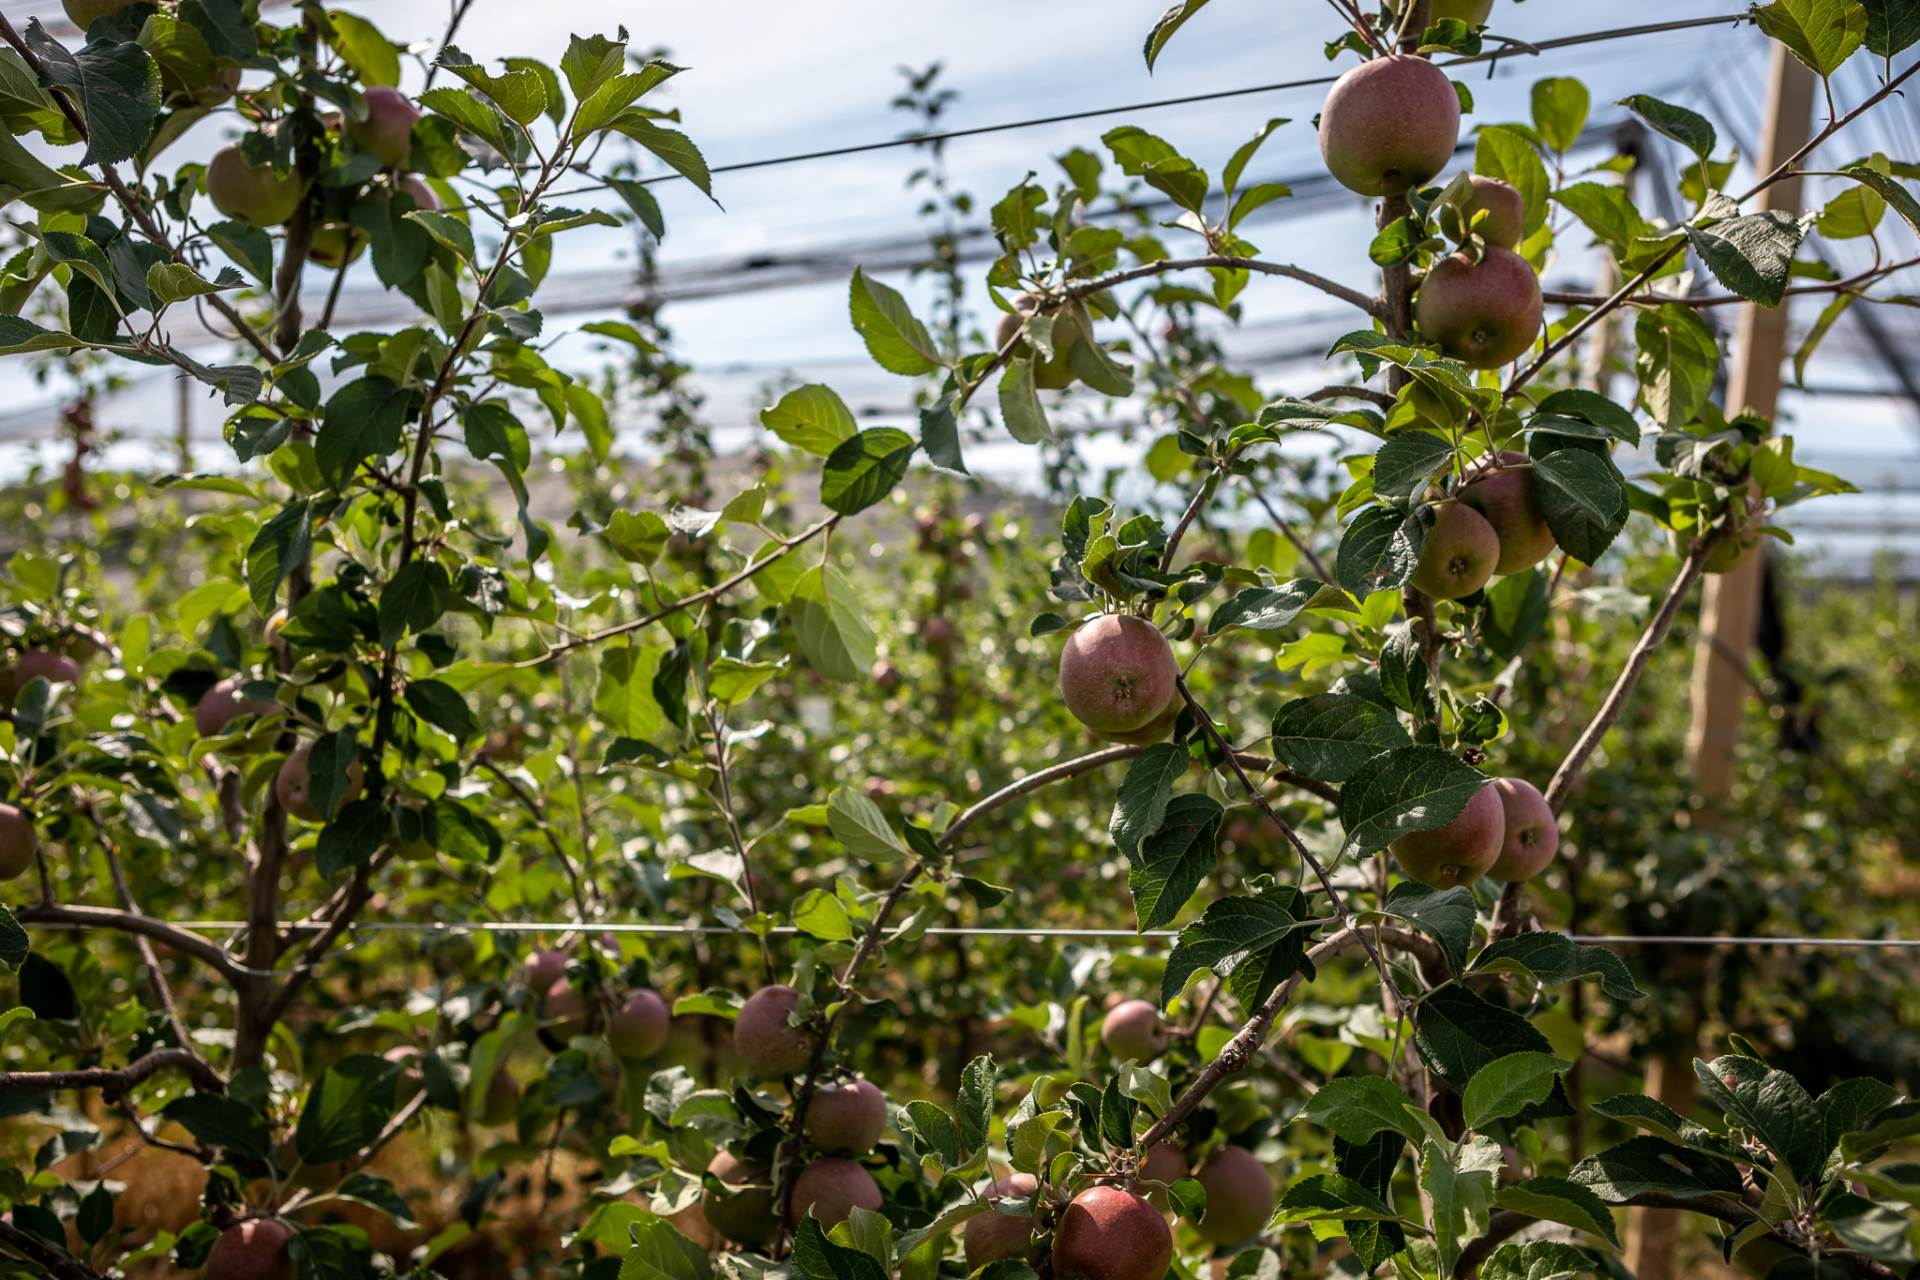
[1460, 554]
[746, 1216]
[541, 969]
[335, 244]
[1389, 125]
[18, 841]
[502, 1103]
[1239, 1196]
[1504, 496]
[768, 1044]
[257, 1249]
[639, 1026]
[1108, 1233]
[1117, 674]
[847, 1117]
[387, 132]
[1165, 1163]
[833, 1188]
[224, 703]
[1068, 332]
[1157, 729]
[1460, 852]
[999, 1237]
[246, 192]
[293, 784]
[84, 13]
[420, 193]
[1472, 12]
[1485, 313]
[564, 1009]
[45, 664]
[1532, 834]
[1132, 1031]
[1506, 210]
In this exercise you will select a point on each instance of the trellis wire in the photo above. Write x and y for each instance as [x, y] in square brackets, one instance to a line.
[961, 931]
[1508, 50]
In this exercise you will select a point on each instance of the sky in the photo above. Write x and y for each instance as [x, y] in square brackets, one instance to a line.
[769, 78]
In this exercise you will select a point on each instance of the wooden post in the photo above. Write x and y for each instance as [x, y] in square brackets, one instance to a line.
[1728, 609]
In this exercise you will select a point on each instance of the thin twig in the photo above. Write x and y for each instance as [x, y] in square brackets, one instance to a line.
[114, 1082]
[1332, 288]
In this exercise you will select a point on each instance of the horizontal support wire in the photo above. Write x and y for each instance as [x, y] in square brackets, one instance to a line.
[1509, 49]
[1154, 935]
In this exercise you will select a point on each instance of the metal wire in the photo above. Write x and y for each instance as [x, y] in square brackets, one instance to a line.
[957, 931]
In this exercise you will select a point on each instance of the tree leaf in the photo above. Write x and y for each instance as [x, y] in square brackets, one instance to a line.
[864, 469]
[1888, 188]
[1141, 804]
[1255, 942]
[363, 419]
[897, 341]
[1676, 358]
[1267, 608]
[279, 545]
[1445, 915]
[1560, 107]
[812, 418]
[1553, 958]
[1583, 500]
[1507, 1086]
[1458, 1033]
[1821, 33]
[1331, 735]
[1169, 22]
[1379, 551]
[1688, 128]
[1508, 154]
[116, 85]
[1405, 464]
[346, 1108]
[1563, 1201]
[1752, 255]
[1892, 26]
[1355, 1108]
[1646, 1163]
[440, 705]
[857, 823]
[1405, 790]
[1175, 859]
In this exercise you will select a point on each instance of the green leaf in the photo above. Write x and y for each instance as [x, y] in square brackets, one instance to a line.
[363, 419]
[1175, 859]
[1458, 1033]
[831, 625]
[975, 1102]
[440, 705]
[1507, 154]
[1821, 33]
[624, 697]
[1255, 942]
[1405, 790]
[170, 282]
[281, 544]
[1372, 1164]
[1591, 408]
[857, 823]
[1332, 1197]
[413, 600]
[224, 1122]
[22, 337]
[1445, 915]
[1330, 736]
[1379, 551]
[730, 680]
[1676, 360]
[1888, 188]
[1357, 1107]
[1169, 22]
[1141, 805]
[1892, 26]
[1562, 1201]
[1688, 128]
[1403, 466]
[1538, 1260]
[1267, 608]
[1644, 1163]
[116, 84]
[659, 1252]
[1507, 1086]
[346, 1108]
[591, 61]
[1583, 500]
[676, 148]
[14, 944]
[940, 437]
[811, 418]
[1020, 406]
[1459, 1185]
[1560, 107]
[816, 1257]
[819, 914]
[1553, 958]
[1773, 1106]
[1751, 255]
[363, 48]
[864, 469]
[898, 342]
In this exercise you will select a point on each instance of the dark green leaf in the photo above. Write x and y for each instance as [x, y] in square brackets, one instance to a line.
[1892, 26]
[1583, 499]
[1331, 735]
[1554, 958]
[1173, 860]
[118, 88]
[1141, 804]
[346, 1108]
[1405, 464]
[1255, 942]
[1405, 790]
[1562, 1201]
[1169, 22]
[363, 420]
[864, 469]
[1645, 1163]
[1445, 915]
[1688, 128]
[1267, 608]
[1379, 551]
[1458, 1033]
[1753, 254]
[1356, 1108]
[442, 706]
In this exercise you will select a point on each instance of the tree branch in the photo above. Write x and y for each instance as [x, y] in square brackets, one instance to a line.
[58, 1262]
[114, 1082]
[180, 940]
[1332, 288]
[1852, 284]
